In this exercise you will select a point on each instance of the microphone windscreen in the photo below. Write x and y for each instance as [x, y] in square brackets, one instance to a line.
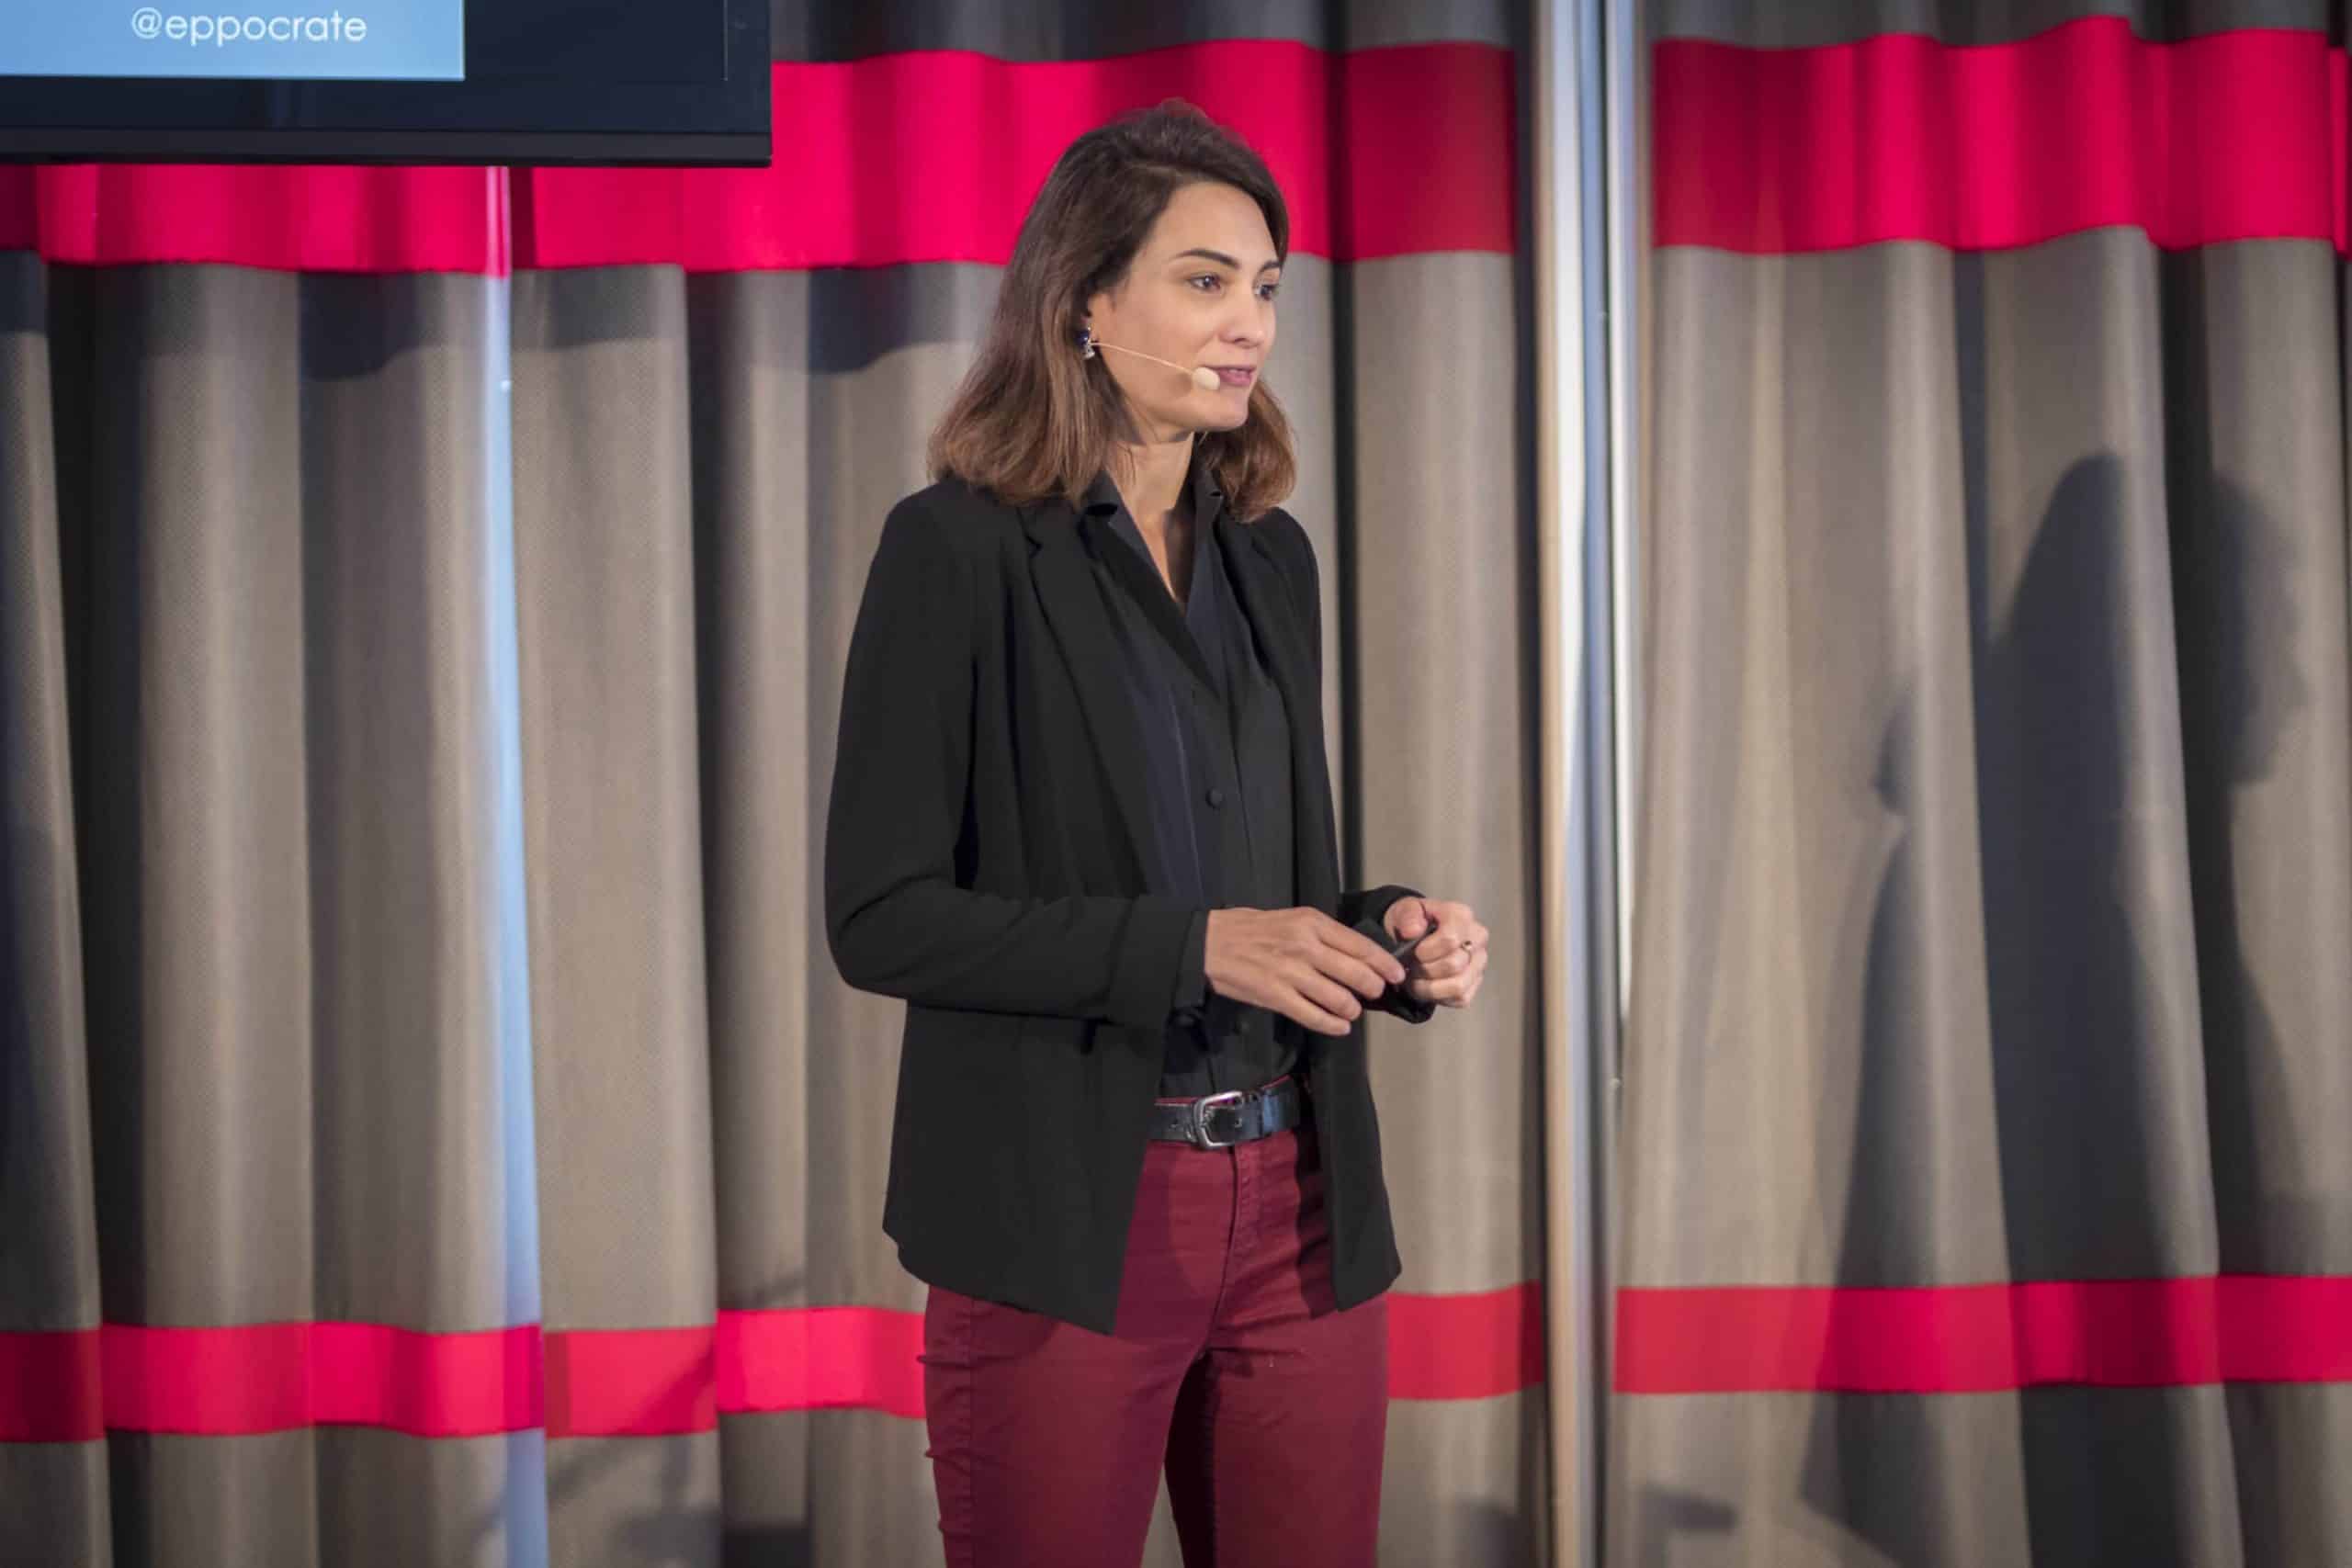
[1205, 378]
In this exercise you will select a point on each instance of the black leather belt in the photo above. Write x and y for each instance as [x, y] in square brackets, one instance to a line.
[1236, 1116]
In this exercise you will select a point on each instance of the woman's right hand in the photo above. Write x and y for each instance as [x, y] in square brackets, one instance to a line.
[1300, 962]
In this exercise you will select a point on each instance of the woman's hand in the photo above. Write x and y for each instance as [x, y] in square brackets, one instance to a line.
[1300, 962]
[1450, 959]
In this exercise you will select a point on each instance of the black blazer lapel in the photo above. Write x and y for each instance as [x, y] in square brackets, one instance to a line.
[1063, 574]
[1268, 600]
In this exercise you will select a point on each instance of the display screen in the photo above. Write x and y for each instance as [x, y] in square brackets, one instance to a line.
[389, 41]
[386, 81]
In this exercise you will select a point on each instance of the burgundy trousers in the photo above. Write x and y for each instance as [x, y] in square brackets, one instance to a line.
[1230, 1367]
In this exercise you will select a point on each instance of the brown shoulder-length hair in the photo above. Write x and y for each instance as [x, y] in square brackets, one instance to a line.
[1031, 419]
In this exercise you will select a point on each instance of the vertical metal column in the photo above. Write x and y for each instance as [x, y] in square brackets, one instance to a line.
[1582, 203]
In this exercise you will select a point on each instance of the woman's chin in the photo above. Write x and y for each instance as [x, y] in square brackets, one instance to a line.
[1220, 411]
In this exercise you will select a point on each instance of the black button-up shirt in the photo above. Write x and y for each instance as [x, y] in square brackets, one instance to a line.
[1219, 770]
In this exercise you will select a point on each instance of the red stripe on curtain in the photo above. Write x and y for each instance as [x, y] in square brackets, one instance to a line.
[820, 1358]
[1979, 1339]
[325, 219]
[2231, 136]
[51, 1388]
[631, 1381]
[882, 161]
[923, 157]
[72, 1386]
[1466, 1346]
[268, 1377]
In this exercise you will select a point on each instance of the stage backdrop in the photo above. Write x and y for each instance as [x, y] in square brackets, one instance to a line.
[432, 1130]
[1987, 1129]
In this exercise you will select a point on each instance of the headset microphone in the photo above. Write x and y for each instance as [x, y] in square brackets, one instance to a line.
[1206, 380]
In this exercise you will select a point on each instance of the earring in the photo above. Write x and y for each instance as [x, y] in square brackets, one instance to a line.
[1086, 343]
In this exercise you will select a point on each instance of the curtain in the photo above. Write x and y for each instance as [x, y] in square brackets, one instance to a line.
[1987, 1190]
[431, 1128]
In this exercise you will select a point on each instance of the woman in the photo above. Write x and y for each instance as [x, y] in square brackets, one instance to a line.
[1080, 821]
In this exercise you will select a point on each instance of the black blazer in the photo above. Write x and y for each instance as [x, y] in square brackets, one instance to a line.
[983, 860]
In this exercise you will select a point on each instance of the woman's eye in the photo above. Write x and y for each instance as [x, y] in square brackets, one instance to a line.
[1266, 290]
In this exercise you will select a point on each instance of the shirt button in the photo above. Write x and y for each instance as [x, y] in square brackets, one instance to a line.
[1217, 796]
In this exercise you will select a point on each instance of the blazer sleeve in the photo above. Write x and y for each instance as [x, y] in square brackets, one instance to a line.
[895, 919]
[1364, 907]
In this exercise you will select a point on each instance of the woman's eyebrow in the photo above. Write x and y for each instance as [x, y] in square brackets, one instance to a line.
[1226, 262]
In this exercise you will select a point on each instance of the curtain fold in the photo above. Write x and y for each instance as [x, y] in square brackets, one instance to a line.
[433, 1130]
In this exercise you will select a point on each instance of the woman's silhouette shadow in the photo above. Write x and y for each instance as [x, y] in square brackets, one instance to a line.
[2236, 571]
[2089, 1018]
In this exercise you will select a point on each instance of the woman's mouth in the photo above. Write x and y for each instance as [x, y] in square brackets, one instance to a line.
[1237, 376]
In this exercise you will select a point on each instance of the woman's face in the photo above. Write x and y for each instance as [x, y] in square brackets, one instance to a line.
[1201, 292]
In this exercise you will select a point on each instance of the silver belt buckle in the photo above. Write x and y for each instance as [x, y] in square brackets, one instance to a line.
[1200, 1108]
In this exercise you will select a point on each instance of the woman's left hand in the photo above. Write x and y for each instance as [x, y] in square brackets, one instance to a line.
[1450, 960]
